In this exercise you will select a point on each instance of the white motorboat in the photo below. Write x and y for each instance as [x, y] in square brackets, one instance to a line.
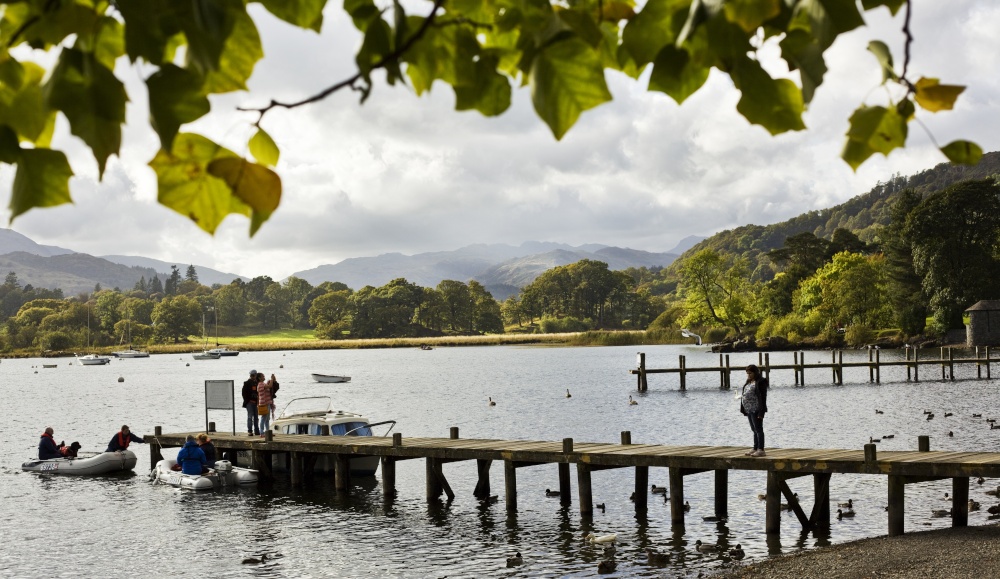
[85, 464]
[206, 355]
[330, 378]
[93, 360]
[224, 351]
[223, 475]
[309, 415]
[130, 353]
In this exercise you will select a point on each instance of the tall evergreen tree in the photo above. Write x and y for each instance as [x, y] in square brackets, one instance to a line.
[155, 285]
[191, 274]
[909, 304]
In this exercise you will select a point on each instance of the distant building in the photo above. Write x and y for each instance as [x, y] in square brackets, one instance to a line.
[984, 324]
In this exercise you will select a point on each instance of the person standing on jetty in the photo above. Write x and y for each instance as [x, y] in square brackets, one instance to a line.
[753, 405]
[250, 403]
[265, 400]
[121, 439]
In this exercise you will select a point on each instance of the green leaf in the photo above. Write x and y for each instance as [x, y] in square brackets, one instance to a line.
[363, 13]
[884, 56]
[843, 14]
[175, 98]
[22, 106]
[801, 51]
[675, 74]
[487, 91]
[10, 149]
[42, 180]
[934, 96]
[566, 79]
[255, 185]
[149, 27]
[583, 25]
[109, 42]
[873, 130]
[751, 14]
[93, 100]
[775, 104]
[963, 152]
[241, 52]
[376, 45]
[302, 13]
[186, 186]
[892, 5]
[207, 28]
[432, 57]
[652, 28]
[263, 148]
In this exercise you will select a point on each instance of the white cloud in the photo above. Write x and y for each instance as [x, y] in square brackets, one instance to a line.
[408, 174]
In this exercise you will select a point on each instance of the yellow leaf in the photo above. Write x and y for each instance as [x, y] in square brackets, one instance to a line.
[934, 97]
[256, 185]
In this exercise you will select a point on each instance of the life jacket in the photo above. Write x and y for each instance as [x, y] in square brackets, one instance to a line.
[123, 440]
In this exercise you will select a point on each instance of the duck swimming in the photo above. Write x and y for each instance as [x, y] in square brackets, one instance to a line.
[254, 560]
[938, 513]
[607, 566]
[516, 560]
[632, 402]
[492, 403]
[737, 553]
[849, 504]
[841, 514]
[568, 395]
[703, 548]
[550, 493]
[609, 538]
[658, 490]
[657, 558]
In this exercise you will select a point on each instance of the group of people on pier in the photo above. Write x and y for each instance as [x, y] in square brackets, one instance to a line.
[258, 399]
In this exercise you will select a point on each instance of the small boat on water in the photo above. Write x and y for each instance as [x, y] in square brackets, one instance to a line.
[330, 378]
[48, 365]
[130, 353]
[206, 355]
[85, 464]
[223, 475]
[93, 360]
[224, 351]
[310, 415]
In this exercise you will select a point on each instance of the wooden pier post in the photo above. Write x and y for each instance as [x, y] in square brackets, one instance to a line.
[960, 501]
[721, 493]
[943, 377]
[840, 367]
[295, 470]
[641, 479]
[987, 362]
[676, 475]
[564, 485]
[341, 472]
[388, 477]
[951, 363]
[897, 493]
[767, 365]
[155, 454]
[453, 433]
[642, 385]
[979, 365]
[916, 365]
[820, 517]
[906, 351]
[795, 367]
[924, 443]
[434, 487]
[802, 368]
[683, 371]
[871, 369]
[833, 365]
[772, 515]
[510, 485]
[728, 374]
[722, 374]
[585, 490]
[878, 367]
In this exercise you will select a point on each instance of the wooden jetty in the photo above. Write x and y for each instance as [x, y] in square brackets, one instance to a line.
[899, 467]
[912, 363]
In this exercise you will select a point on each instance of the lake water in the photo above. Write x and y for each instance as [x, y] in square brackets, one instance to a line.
[126, 526]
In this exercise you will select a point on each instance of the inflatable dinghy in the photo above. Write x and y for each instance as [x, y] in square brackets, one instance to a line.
[224, 474]
[85, 464]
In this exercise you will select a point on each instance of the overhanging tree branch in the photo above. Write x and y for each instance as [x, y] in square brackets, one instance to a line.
[388, 59]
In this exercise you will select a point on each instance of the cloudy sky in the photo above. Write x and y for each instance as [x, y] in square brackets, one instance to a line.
[409, 175]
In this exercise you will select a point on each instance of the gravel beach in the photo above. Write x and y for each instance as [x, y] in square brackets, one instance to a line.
[939, 554]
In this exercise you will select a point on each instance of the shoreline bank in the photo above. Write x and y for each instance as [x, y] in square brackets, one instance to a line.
[956, 552]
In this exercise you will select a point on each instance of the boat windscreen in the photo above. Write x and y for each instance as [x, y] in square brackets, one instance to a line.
[351, 429]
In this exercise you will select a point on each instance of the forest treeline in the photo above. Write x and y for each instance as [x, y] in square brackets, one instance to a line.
[906, 253]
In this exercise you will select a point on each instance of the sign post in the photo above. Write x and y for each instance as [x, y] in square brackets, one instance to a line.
[220, 395]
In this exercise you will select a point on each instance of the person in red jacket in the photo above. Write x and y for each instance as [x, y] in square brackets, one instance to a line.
[47, 447]
[121, 439]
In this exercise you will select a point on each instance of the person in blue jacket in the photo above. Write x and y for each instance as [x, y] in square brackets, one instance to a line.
[47, 447]
[121, 439]
[191, 458]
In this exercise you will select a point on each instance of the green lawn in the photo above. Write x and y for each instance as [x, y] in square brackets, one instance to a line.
[273, 336]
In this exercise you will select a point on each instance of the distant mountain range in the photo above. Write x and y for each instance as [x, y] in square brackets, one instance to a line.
[503, 269]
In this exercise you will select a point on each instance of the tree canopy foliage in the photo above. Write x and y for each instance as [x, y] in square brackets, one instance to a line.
[481, 48]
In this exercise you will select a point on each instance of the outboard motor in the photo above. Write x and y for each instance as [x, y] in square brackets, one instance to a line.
[223, 468]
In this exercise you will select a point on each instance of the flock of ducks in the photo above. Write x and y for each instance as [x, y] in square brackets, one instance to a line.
[491, 402]
[929, 415]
